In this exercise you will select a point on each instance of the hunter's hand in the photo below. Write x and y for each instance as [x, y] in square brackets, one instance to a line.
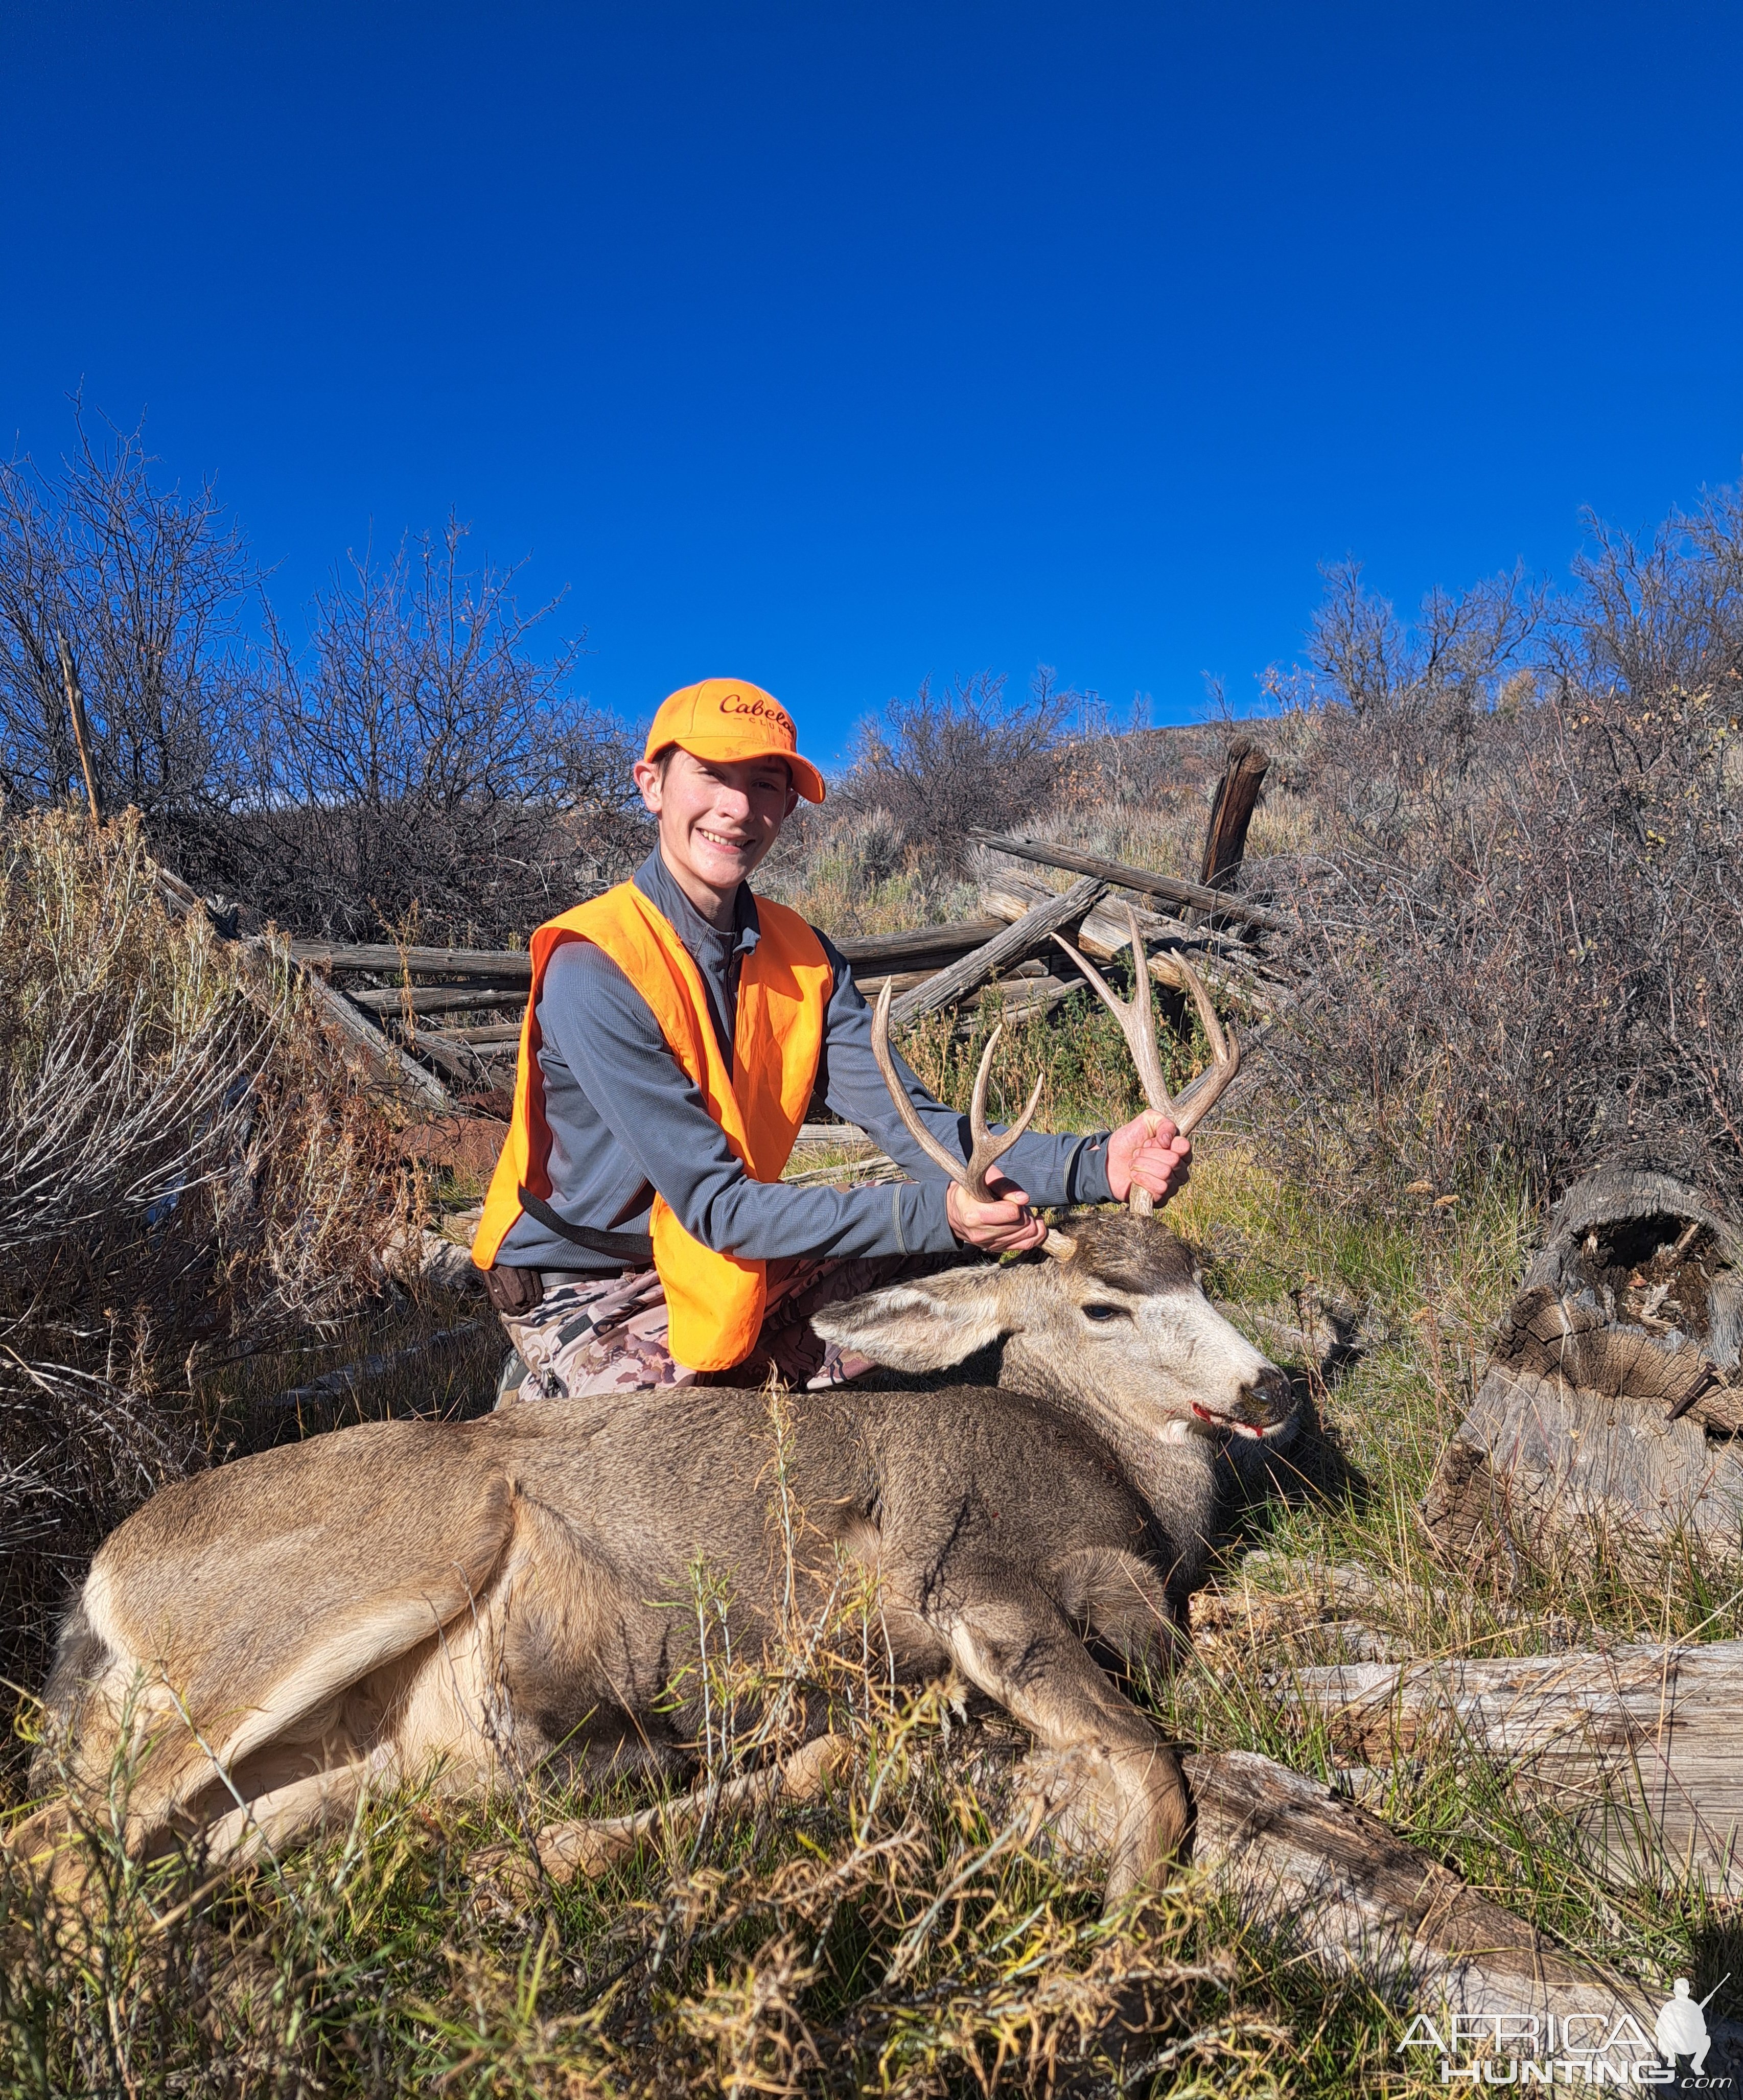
[1008, 1226]
[1150, 1151]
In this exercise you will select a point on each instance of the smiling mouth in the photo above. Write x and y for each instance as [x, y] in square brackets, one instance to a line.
[724, 846]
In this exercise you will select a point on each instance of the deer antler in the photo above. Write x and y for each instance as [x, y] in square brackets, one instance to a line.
[1136, 1025]
[988, 1146]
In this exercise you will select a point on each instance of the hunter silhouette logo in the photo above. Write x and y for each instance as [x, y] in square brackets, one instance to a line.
[1593, 2048]
[1681, 2028]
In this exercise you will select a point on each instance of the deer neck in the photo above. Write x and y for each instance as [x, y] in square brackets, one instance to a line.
[1160, 1472]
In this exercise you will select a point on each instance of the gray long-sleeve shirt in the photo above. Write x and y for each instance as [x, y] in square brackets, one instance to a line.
[626, 1119]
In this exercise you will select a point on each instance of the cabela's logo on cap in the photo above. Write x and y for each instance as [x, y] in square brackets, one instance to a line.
[759, 703]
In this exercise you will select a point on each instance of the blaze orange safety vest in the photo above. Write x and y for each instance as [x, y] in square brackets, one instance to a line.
[715, 1301]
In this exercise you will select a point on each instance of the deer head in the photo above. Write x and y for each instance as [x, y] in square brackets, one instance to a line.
[1116, 1326]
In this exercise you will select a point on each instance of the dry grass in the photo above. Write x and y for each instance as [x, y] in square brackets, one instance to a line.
[190, 1183]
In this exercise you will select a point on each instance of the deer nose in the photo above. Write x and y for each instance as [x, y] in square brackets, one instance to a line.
[1269, 1399]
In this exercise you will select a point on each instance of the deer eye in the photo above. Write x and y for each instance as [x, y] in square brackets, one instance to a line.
[1105, 1312]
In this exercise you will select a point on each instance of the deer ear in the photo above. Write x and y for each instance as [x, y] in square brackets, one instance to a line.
[925, 1326]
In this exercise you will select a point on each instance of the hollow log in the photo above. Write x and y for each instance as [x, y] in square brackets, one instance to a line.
[1642, 1745]
[1606, 1374]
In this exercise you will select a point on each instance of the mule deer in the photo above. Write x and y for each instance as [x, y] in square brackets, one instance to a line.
[467, 1598]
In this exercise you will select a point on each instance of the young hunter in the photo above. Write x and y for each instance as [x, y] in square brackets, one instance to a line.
[636, 1232]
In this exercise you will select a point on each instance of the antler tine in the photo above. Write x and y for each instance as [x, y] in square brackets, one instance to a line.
[987, 1147]
[1133, 1014]
[910, 1116]
[971, 1178]
[1225, 1051]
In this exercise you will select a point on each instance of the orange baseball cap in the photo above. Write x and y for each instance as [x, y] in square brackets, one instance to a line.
[726, 719]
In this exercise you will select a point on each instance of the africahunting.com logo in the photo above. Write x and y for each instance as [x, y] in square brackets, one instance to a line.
[1574, 2049]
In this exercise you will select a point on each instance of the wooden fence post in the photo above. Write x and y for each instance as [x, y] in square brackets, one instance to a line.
[1231, 813]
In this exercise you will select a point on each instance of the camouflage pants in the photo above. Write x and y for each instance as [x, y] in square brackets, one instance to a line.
[610, 1335]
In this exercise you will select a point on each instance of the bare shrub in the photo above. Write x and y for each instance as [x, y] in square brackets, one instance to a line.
[185, 1169]
[417, 759]
[943, 761]
[1524, 928]
[419, 756]
[146, 585]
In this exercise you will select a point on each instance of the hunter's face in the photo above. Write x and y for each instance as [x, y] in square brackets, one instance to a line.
[718, 819]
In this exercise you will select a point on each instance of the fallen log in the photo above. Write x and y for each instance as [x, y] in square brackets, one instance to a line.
[910, 950]
[356, 1028]
[1103, 938]
[1639, 1745]
[495, 1032]
[1117, 875]
[1303, 1865]
[831, 1133]
[435, 999]
[1537, 1455]
[921, 947]
[1321, 1874]
[386, 959]
[1006, 897]
[1023, 998]
[898, 981]
[1010, 944]
[454, 1057]
[865, 1163]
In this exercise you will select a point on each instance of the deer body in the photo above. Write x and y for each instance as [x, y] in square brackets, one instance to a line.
[487, 1597]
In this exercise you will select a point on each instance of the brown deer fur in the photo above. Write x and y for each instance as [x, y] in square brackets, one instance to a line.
[469, 1598]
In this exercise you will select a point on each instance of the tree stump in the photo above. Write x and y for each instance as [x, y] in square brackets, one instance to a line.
[1610, 1407]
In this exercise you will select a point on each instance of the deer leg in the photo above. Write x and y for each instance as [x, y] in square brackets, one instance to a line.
[50, 1842]
[589, 1845]
[287, 1816]
[1124, 1604]
[1123, 1785]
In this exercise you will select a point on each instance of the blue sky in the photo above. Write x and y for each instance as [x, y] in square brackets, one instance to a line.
[833, 345]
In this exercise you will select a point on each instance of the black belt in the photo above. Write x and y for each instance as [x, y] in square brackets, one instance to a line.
[638, 1247]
